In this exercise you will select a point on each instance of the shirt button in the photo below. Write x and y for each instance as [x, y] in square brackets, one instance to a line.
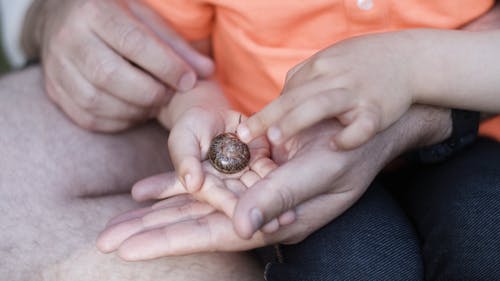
[365, 4]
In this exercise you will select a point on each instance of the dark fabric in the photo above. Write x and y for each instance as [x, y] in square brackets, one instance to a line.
[455, 207]
[444, 225]
[373, 240]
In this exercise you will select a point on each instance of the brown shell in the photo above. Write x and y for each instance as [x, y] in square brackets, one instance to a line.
[228, 154]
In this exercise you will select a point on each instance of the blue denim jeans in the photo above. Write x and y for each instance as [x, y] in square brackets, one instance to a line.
[430, 222]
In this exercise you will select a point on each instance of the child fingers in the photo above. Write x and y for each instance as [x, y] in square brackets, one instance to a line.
[219, 194]
[362, 129]
[184, 148]
[257, 124]
[322, 106]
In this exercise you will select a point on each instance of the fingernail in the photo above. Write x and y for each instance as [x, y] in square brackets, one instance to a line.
[256, 219]
[186, 82]
[274, 135]
[244, 133]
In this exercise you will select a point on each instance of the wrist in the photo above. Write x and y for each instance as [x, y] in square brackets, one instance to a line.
[465, 125]
[205, 95]
[425, 60]
[419, 127]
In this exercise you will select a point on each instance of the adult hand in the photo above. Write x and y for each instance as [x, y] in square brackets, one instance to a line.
[320, 182]
[111, 64]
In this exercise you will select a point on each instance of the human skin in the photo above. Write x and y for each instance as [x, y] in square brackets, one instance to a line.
[59, 185]
[447, 68]
[29, 121]
[415, 128]
[112, 64]
[202, 113]
[166, 230]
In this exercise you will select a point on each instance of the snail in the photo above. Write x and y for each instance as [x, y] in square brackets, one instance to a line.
[228, 154]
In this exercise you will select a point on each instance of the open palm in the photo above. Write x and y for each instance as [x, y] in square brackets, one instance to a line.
[322, 182]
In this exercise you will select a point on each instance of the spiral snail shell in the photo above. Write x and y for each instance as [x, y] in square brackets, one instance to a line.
[228, 154]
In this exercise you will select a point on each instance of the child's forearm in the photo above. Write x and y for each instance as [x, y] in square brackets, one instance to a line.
[456, 69]
[206, 94]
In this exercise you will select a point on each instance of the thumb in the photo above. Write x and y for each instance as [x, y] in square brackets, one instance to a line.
[280, 191]
[185, 154]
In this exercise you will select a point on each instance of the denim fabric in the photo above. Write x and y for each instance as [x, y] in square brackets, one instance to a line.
[444, 225]
[373, 240]
[455, 207]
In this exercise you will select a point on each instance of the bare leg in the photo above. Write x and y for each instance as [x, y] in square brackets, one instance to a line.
[60, 184]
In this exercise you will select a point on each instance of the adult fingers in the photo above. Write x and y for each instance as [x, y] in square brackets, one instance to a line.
[281, 191]
[110, 239]
[96, 101]
[213, 232]
[203, 65]
[80, 116]
[158, 187]
[108, 71]
[214, 191]
[134, 41]
[319, 107]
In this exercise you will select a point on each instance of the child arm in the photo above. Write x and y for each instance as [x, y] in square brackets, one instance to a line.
[368, 82]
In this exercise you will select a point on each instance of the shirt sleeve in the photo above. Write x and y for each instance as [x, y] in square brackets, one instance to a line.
[12, 15]
[192, 19]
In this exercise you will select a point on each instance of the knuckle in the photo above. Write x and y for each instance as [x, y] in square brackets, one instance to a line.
[258, 123]
[90, 100]
[319, 65]
[172, 69]
[369, 125]
[290, 73]
[131, 40]
[88, 122]
[154, 95]
[323, 102]
[140, 114]
[285, 198]
[285, 103]
[103, 72]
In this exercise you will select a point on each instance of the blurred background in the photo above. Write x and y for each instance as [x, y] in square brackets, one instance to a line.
[4, 65]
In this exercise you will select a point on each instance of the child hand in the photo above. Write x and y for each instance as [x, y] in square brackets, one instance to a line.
[364, 82]
[205, 191]
[196, 117]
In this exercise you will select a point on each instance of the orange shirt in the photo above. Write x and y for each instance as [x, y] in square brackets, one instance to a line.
[255, 42]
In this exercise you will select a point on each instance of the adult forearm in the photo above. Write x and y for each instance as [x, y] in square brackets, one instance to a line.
[420, 126]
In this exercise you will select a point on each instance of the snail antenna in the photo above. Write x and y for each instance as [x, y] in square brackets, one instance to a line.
[239, 122]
